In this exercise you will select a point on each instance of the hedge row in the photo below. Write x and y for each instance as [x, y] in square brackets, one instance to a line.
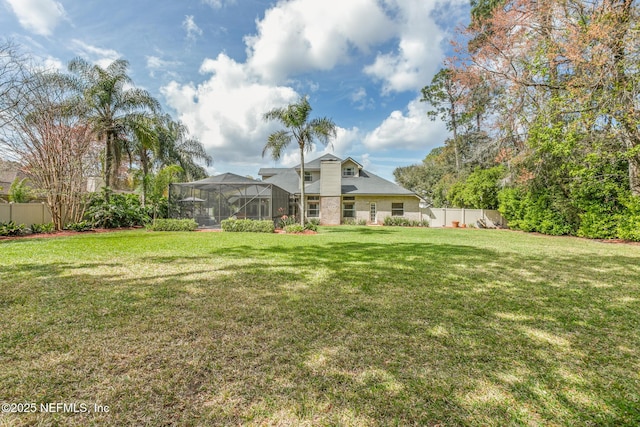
[399, 221]
[173, 225]
[248, 225]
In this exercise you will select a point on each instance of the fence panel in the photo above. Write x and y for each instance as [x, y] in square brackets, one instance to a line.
[25, 213]
[5, 212]
[444, 217]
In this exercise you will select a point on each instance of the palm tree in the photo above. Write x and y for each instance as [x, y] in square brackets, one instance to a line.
[161, 142]
[113, 107]
[175, 146]
[295, 118]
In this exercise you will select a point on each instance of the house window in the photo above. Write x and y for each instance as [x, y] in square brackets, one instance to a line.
[397, 209]
[348, 171]
[313, 206]
[349, 210]
[349, 198]
[308, 177]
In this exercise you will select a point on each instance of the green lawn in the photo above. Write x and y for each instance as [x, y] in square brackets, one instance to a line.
[352, 326]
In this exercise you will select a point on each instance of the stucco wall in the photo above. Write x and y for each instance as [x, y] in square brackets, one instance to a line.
[383, 207]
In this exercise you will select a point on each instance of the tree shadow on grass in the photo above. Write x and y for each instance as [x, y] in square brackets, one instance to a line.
[341, 333]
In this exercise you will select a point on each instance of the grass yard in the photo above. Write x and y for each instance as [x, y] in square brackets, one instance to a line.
[353, 326]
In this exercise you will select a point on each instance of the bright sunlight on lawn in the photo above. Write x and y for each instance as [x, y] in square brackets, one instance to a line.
[352, 326]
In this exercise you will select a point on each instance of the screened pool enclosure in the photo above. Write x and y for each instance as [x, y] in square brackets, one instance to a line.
[220, 197]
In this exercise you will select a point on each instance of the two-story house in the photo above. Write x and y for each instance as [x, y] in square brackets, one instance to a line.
[338, 190]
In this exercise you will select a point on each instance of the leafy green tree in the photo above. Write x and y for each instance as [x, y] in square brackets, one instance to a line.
[479, 190]
[113, 108]
[295, 118]
[423, 178]
[445, 94]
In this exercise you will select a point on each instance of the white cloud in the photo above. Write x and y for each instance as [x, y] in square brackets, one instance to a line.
[217, 4]
[38, 16]
[155, 63]
[97, 55]
[190, 26]
[226, 111]
[418, 52]
[299, 36]
[51, 63]
[361, 100]
[410, 130]
[303, 35]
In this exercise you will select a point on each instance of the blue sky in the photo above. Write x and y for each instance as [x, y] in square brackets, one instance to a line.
[219, 65]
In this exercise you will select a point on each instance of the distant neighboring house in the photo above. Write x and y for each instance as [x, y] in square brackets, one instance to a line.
[338, 190]
[9, 171]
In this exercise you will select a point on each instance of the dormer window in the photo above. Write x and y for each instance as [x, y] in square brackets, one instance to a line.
[308, 177]
[349, 171]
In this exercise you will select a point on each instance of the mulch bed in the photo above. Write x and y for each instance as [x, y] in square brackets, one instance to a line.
[64, 233]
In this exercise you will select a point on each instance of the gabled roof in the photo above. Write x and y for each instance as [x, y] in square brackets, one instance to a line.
[353, 161]
[365, 183]
[315, 164]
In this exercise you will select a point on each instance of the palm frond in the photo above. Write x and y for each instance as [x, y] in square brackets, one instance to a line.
[276, 143]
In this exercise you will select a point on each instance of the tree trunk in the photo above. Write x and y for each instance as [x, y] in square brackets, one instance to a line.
[634, 175]
[108, 160]
[302, 203]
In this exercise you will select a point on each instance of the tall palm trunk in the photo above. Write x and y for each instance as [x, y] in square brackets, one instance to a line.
[302, 201]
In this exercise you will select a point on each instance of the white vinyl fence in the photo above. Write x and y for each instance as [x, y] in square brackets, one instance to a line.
[445, 217]
[25, 213]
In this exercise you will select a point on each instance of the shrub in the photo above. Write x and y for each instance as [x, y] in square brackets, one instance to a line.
[294, 228]
[598, 222]
[109, 210]
[12, 229]
[534, 212]
[629, 225]
[399, 221]
[311, 226]
[361, 222]
[247, 225]
[287, 220]
[79, 226]
[349, 221]
[43, 228]
[173, 225]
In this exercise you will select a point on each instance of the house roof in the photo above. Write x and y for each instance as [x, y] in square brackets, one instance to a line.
[264, 172]
[316, 163]
[9, 171]
[287, 179]
[225, 178]
[365, 183]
